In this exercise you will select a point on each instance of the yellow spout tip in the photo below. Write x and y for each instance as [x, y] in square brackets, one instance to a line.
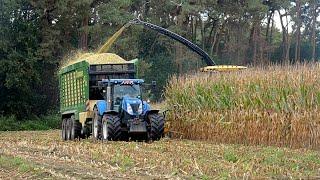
[222, 68]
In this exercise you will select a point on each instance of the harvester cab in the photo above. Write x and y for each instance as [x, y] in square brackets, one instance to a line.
[126, 115]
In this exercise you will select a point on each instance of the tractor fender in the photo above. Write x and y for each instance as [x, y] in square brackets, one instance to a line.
[151, 112]
[101, 106]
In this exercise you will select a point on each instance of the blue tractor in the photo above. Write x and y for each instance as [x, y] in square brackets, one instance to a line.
[125, 114]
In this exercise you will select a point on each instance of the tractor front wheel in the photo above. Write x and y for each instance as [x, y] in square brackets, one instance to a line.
[156, 126]
[111, 127]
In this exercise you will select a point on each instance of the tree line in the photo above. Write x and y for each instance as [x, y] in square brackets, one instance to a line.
[37, 35]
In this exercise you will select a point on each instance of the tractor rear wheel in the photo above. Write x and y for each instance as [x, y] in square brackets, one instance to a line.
[96, 125]
[64, 129]
[111, 127]
[156, 126]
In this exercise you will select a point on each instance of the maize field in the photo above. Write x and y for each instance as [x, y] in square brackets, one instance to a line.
[275, 105]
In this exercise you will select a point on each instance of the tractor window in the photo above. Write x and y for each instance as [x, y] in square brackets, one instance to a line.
[126, 90]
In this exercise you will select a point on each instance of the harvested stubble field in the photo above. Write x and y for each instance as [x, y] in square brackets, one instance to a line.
[277, 105]
[41, 154]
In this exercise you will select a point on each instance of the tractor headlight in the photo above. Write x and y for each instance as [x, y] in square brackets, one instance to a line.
[140, 109]
[129, 109]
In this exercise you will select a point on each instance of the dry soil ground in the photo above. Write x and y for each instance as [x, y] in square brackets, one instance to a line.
[42, 155]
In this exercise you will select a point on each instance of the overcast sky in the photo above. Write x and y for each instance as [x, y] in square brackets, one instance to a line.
[204, 17]
[278, 23]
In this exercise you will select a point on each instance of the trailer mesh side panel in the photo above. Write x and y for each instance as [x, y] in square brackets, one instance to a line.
[74, 89]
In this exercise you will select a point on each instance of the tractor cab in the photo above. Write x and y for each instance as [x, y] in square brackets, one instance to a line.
[126, 114]
[123, 94]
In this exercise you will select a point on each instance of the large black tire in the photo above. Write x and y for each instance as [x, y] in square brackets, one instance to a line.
[64, 130]
[68, 129]
[75, 128]
[156, 126]
[111, 127]
[96, 125]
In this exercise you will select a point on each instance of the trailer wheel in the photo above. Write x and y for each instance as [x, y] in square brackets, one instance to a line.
[75, 128]
[68, 129]
[96, 125]
[64, 129]
[111, 127]
[156, 126]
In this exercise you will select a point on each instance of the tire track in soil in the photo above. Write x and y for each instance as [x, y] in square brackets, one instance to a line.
[62, 167]
[70, 170]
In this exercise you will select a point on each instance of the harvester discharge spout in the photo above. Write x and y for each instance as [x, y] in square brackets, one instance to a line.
[105, 48]
[178, 38]
[211, 65]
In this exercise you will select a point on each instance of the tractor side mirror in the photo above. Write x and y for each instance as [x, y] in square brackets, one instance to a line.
[154, 84]
[153, 87]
